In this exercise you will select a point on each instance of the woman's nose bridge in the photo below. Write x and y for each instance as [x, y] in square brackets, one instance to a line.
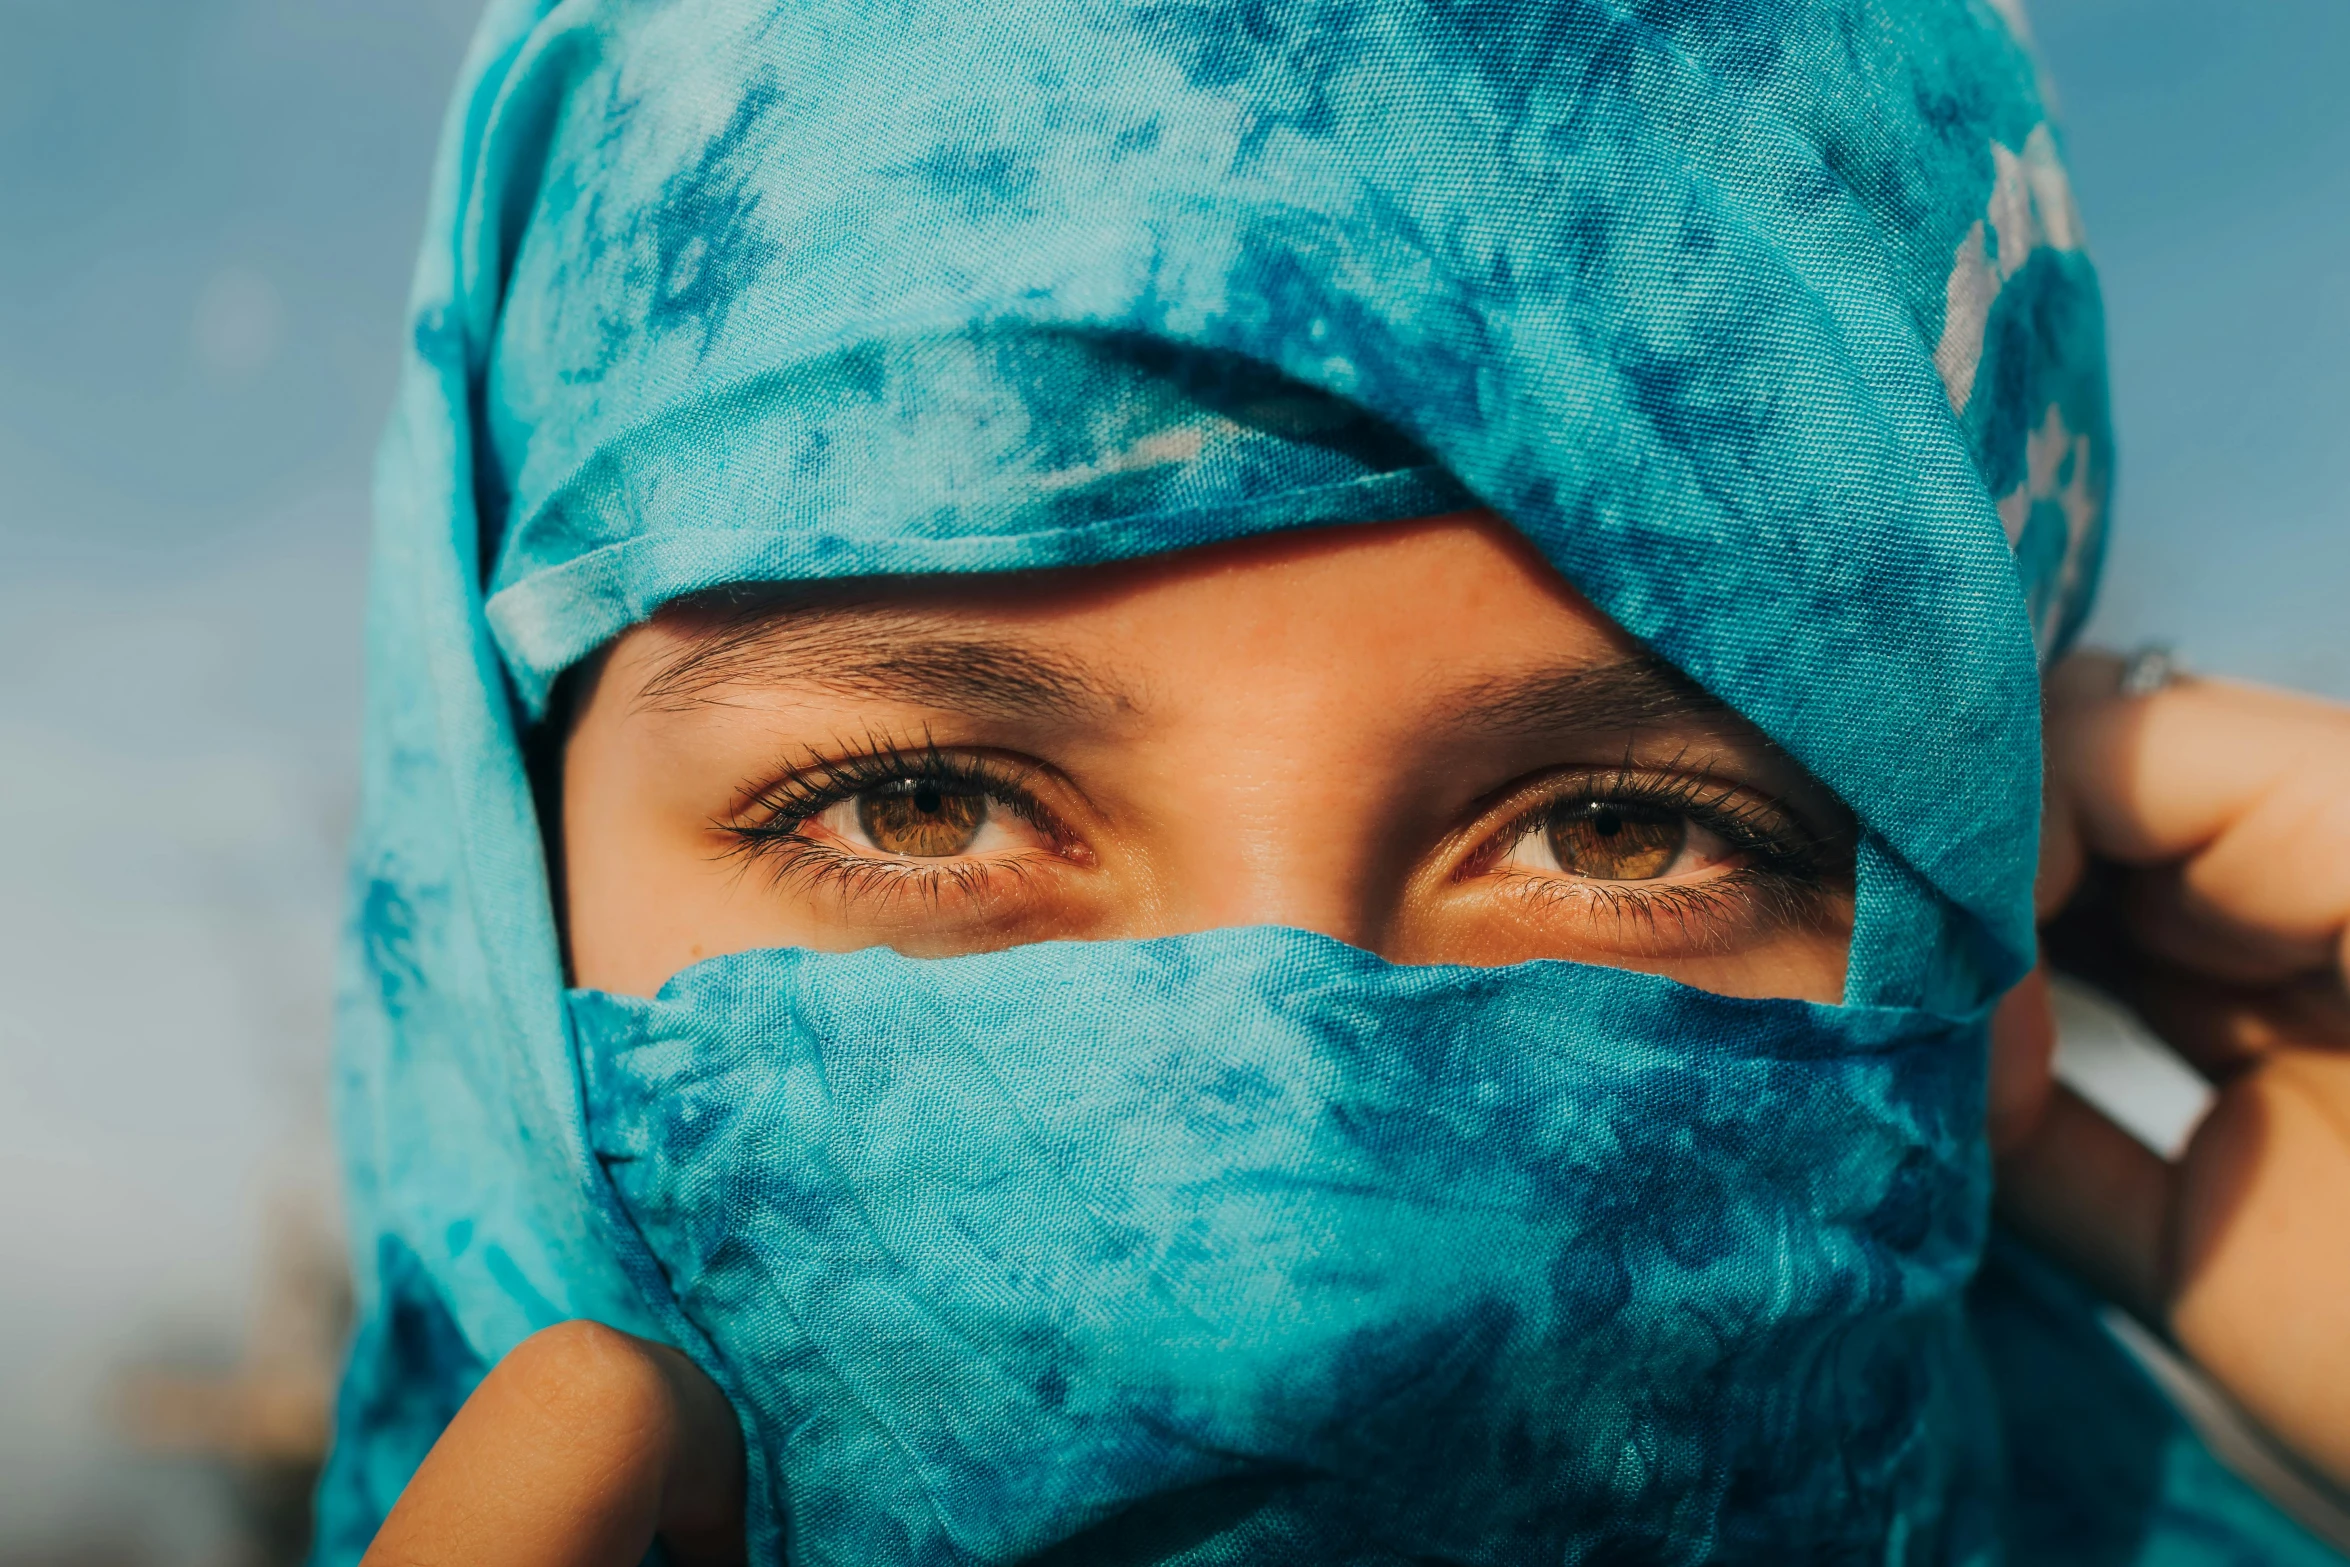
[1274, 842]
[1267, 884]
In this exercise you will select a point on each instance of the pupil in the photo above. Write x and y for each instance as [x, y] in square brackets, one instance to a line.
[926, 800]
[1606, 822]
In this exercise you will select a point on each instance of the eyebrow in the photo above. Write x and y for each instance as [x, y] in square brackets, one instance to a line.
[880, 653]
[1635, 692]
[891, 653]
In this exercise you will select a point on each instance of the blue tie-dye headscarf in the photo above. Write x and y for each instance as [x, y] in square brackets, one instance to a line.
[1768, 323]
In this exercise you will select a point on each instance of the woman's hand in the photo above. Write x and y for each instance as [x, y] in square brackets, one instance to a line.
[2196, 865]
[582, 1446]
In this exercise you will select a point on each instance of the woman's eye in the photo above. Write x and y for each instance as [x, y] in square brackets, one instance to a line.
[926, 819]
[1616, 840]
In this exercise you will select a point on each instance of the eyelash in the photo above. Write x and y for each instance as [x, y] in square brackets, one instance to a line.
[1784, 881]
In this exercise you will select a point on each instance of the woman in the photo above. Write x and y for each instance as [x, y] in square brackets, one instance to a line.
[1098, 595]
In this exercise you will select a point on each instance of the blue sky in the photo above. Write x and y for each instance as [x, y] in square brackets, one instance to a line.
[2210, 146]
[207, 210]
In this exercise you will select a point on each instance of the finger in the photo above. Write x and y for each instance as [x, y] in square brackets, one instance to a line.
[702, 1502]
[2263, 1297]
[571, 1453]
[2221, 1030]
[2064, 858]
[2023, 1054]
[557, 1460]
[2094, 1198]
[2241, 784]
[2217, 1027]
[2253, 924]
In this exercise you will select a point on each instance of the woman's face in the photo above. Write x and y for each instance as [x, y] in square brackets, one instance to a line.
[1414, 737]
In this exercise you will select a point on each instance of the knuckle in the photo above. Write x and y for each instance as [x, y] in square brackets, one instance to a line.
[586, 1370]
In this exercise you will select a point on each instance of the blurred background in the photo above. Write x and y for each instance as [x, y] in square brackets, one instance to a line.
[207, 211]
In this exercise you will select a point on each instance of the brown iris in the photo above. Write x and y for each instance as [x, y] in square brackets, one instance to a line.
[924, 820]
[1607, 841]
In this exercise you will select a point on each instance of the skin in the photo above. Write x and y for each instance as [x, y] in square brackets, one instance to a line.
[2196, 864]
[1260, 733]
[576, 1450]
[1268, 733]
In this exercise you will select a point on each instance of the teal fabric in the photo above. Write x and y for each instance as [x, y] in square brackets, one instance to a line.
[1769, 324]
[1252, 1248]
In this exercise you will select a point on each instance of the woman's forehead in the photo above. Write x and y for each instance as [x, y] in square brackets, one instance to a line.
[1460, 591]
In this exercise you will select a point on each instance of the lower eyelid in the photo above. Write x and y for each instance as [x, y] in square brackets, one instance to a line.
[809, 863]
[1694, 913]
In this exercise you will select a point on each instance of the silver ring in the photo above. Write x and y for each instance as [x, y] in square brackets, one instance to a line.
[2149, 669]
